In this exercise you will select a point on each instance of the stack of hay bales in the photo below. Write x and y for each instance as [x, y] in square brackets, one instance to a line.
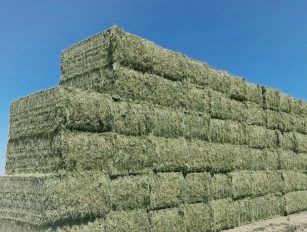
[139, 138]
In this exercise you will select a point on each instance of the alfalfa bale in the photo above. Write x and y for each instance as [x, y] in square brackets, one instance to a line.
[222, 107]
[266, 207]
[297, 106]
[254, 93]
[197, 187]
[255, 183]
[296, 202]
[224, 214]
[132, 155]
[287, 141]
[132, 220]
[254, 114]
[274, 120]
[294, 181]
[271, 98]
[166, 190]
[170, 154]
[197, 217]
[59, 108]
[290, 160]
[260, 137]
[137, 86]
[301, 142]
[263, 159]
[130, 192]
[170, 220]
[226, 131]
[243, 211]
[285, 102]
[220, 186]
[58, 198]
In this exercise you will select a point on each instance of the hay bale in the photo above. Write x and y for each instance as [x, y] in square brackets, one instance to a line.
[274, 120]
[271, 98]
[301, 142]
[259, 137]
[197, 217]
[255, 115]
[256, 183]
[285, 102]
[266, 207]
[170, 220]
[287, 141]
[7, 224]
[58, 108]
[169, 154]
[135, 53]
[294, 181]
[133, 220]
[243, 211]
[225, 131]
[289, 160]
[263, 159]
[220, 187]
[222, 107]
[52, 201]
[254, 93]
[197, 187]
[224, 214]
[295, 202]
[130, 192]
[167, 190]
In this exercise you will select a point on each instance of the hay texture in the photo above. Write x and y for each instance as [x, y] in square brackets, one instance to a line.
[139, 138]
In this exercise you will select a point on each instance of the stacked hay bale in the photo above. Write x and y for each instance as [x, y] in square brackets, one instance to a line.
[139, 138]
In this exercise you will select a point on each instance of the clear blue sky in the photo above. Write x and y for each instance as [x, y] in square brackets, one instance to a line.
[263, 41]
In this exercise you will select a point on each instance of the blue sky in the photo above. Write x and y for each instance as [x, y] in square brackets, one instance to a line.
[263, 41]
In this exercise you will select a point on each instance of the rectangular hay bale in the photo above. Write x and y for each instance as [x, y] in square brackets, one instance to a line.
[296, 202]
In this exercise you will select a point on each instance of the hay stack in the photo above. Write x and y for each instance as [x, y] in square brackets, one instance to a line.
[140, 138]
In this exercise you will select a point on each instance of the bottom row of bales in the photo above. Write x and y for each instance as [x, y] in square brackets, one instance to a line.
[215, 216]
[217, 201]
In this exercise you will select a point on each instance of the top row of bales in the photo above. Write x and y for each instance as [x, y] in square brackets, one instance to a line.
[115, 48]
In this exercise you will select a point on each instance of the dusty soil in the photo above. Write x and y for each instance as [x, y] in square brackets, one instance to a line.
[291, 223]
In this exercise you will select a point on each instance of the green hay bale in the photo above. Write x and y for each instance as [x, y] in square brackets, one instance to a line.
[170, 220]
[243, 211]
[271, 98]
[169, 155]
[197, 217]
[287, 141]
[53, 201]
[285, 102]
[301, 142]
[259, 137]
[130, 192]
[220, 187]
[133, 52]
[121, 221]
[254, 114]
[197, 187]
[266, 207]
[226, 132]
[132, 155]
[297, 106]
[224, 108]
[58, 108]
[274, 119]
[167, 190]
[296, 202]
[289, 160]
[254, 93]
[225, 214]
[255, 183]
[263, 159]
[294, 181]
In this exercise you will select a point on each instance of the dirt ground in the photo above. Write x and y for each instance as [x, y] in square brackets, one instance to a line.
[291, 223]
